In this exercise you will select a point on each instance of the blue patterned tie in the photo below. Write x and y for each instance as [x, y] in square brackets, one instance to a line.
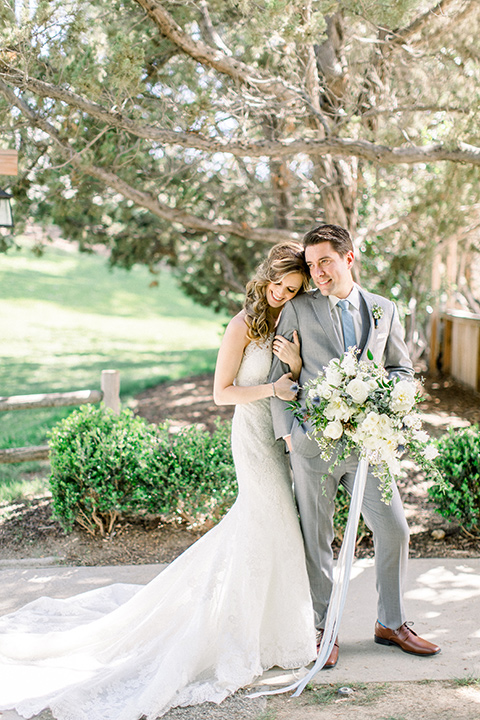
[349, 339]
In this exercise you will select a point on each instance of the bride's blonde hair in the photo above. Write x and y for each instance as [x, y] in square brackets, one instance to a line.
[283, 258]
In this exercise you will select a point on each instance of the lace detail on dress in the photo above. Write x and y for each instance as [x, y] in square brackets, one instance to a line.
[234, 604]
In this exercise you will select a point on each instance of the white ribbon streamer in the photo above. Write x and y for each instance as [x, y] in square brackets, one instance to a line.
[341, 581]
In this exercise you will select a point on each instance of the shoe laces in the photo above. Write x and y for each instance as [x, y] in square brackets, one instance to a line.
[408, 625]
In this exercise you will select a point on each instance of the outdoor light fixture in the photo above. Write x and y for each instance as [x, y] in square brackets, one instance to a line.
[6, 217]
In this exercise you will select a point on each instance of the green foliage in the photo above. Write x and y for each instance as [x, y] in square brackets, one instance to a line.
[381, 12]
[420, 91]
[97, 461]
[467, 681]
[363, 694]
[194, 474]
[457, 496]
[105, 465]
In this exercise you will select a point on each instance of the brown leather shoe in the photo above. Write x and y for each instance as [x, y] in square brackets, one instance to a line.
[333, 657]
[406, 639]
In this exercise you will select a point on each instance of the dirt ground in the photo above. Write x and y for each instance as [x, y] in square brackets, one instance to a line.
[371, 701]
[28, 530]
[389, 701]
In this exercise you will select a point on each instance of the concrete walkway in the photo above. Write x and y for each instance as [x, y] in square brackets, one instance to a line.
[442, 597]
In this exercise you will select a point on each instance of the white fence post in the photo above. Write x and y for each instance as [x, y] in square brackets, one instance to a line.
[110, 384]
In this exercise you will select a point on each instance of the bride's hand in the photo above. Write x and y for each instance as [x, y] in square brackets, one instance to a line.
[283, 387]
[288, 352]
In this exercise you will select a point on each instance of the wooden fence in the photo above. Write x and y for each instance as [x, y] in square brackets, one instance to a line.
[455, 346]
[109, 393]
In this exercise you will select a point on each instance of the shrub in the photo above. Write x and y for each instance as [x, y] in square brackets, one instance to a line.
[194, 474]
[105, 465]
[457, 495]
[97, 460]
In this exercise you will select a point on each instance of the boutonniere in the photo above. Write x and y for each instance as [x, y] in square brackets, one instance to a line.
[377, 313]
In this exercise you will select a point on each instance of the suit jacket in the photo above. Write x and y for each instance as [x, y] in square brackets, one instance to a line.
[310, 315]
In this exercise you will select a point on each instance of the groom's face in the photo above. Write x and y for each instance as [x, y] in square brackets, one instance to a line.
[330, 271]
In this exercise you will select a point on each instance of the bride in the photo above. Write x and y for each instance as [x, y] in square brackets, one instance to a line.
[234, 604]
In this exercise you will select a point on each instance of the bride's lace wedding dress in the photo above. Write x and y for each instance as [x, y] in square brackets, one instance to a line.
[234, 604]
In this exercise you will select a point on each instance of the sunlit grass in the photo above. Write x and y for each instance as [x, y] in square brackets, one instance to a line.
[23, 481]
[66, 316]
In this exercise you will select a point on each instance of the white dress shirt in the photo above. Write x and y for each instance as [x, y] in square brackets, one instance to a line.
[354, 308]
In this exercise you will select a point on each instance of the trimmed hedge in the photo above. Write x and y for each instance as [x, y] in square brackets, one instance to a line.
[105, 465]
[457, 495]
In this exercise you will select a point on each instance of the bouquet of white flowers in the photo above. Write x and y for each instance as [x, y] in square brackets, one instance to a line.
[354, 406]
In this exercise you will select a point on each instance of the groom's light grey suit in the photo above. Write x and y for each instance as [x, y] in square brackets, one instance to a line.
[321, 341]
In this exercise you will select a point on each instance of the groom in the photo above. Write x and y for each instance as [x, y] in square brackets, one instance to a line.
[326, 330]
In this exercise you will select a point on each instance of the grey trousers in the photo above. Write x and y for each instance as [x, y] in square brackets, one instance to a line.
[316, 503]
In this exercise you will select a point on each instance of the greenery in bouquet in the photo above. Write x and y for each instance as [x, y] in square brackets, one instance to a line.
[353, 406]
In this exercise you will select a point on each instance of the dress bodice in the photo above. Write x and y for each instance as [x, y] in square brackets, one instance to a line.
[255, 366]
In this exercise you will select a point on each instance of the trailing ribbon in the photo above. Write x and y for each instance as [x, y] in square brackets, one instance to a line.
[341, 581]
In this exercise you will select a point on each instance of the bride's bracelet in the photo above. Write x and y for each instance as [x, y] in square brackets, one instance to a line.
[273, 388]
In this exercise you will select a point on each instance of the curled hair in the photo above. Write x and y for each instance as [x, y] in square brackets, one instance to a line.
[283, 258]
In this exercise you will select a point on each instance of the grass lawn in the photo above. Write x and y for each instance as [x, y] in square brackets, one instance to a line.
[66, 316]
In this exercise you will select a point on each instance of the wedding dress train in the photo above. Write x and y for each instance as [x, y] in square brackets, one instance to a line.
[234, 604]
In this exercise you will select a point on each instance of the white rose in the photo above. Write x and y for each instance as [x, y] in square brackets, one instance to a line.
[430, 452]
[349, 365]
[333, 430]
[370, 442]
[421, 436]
[325, 391]
[386, 451]
[333, 376]
[382, 447]
[394, 466]
[370, 423]
[412, 421]
[403, 396]
[358, 390]
[337, 409]
[384, 425]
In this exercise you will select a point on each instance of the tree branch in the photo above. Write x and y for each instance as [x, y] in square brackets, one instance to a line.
[215, 58]
[416, 109]
[141, 198]
[458, 17]
[400, 36]
[342, 147]
[208, 29]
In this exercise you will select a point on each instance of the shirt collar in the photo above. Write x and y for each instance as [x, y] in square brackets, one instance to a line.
[353, 298]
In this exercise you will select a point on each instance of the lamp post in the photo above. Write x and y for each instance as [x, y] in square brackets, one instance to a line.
[6, 216]
[8, 166]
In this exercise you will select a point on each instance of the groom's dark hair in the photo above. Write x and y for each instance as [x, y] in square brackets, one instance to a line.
[338, 237]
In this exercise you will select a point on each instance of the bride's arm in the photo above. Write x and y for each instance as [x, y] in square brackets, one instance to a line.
[289, 353]
[229, 358]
